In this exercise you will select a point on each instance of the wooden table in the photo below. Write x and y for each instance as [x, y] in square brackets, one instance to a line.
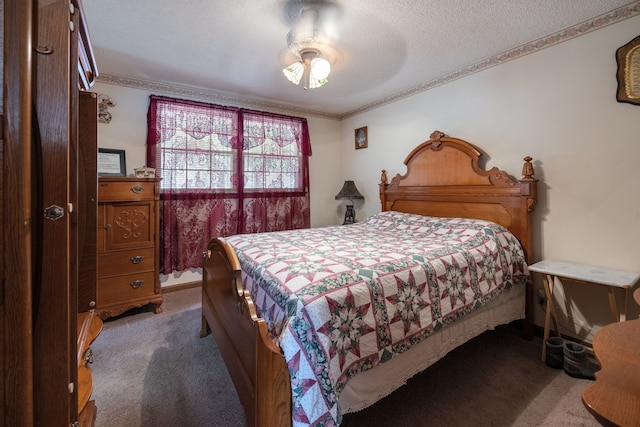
[614, 397]
[611, 278]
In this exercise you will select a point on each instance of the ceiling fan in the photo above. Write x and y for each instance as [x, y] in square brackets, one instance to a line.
[310, 21]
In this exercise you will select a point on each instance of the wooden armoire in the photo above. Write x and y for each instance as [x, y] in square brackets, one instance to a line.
[47, 60]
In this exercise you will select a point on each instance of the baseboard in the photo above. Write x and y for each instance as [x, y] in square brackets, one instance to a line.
[181, 287]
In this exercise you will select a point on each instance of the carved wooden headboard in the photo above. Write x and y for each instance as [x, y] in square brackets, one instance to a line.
[443, 179]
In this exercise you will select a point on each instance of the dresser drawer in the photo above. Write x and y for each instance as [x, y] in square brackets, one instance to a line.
[125, 262]
[131, 190]
[113, 290]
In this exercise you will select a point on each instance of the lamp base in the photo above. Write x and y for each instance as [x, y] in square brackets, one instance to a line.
[349, 215]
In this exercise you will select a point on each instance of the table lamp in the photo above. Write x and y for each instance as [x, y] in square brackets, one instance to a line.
[349, 192]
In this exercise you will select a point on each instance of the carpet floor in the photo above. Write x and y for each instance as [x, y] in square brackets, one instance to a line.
[155, 370]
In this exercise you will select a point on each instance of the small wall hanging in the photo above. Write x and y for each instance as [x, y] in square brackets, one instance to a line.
[628, 58]
[361, 138]
[104, 102]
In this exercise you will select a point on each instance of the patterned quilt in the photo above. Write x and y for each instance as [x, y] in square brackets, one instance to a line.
[340, 300]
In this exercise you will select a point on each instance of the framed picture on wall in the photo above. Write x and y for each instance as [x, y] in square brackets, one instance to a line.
[111, 162]
[361, 138]
[628, 59]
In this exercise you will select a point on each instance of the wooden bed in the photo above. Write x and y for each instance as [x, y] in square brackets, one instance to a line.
[443, 179]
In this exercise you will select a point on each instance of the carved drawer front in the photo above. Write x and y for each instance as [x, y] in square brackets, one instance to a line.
[117, 289]
[129, 190]
[125, 262]
[129, 225]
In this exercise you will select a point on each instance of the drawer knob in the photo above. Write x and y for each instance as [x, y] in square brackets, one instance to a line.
[137, 189]
[88, 356]
[137, 259]
[136, 284]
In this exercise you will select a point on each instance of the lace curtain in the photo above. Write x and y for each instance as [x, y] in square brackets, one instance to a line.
[224, 171]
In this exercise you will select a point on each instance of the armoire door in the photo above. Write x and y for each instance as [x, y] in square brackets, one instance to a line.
[87, 199]
[39, 215]
[55, 190]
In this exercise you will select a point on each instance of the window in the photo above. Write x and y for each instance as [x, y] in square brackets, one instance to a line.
[272, 158]
[193, 159]
[199, 148]
[224, 171]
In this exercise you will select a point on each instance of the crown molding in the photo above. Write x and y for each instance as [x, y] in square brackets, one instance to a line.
[225, 98]
[609, 18]
[585, 27]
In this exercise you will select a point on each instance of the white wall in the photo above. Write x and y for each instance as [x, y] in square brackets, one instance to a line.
[557, 105]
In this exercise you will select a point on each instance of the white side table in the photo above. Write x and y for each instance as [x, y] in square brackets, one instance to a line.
[611, 278]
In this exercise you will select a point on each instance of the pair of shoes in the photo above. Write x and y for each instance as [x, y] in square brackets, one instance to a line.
[578, 363]
[555, 352]
[571, 357]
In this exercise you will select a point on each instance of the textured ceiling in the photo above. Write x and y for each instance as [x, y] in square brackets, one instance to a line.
[233, 52]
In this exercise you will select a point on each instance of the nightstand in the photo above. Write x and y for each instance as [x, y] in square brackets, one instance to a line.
[611, 278]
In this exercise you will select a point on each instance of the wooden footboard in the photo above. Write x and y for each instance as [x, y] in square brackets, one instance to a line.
[255, 363]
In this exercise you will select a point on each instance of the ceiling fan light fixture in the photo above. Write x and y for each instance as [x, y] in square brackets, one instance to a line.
[318, 72]
[294, 72]
[303, 40]
[320, 68]
[312, 69]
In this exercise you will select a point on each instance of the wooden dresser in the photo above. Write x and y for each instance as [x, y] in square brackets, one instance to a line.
[127, 245]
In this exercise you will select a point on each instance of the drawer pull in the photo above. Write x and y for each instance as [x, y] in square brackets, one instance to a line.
[137, 259]
[137, 189]
[136, 284]
[88, 356]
